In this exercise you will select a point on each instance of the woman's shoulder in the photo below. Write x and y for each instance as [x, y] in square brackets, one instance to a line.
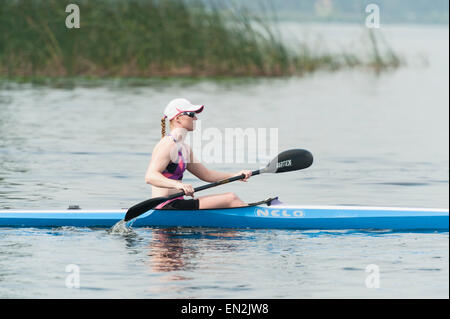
[167, 140]
[165, 143]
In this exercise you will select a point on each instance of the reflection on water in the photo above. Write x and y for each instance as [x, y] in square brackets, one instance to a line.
[172, 251]
[176, 249]
[167, 252]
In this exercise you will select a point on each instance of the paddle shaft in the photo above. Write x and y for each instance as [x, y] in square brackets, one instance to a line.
[224, 181]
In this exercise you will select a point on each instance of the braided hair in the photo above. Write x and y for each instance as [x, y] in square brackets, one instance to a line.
[163, 127]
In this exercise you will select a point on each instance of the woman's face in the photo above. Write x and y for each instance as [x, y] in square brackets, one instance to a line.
[186, 122]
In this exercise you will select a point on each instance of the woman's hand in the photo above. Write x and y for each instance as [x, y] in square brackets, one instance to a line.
[187, 188]
[247, 174]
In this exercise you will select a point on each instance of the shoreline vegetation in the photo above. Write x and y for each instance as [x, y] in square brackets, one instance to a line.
[158, 39]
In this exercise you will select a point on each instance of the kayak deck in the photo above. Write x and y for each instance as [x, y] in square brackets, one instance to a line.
[268, 217]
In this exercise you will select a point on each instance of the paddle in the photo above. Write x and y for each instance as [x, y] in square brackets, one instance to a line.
[287, 161]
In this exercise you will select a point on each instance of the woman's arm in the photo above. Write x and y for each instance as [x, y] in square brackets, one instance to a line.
[205, 174]
[210, 176]
[158, 163]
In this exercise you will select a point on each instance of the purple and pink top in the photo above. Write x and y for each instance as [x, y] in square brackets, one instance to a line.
[174, 171]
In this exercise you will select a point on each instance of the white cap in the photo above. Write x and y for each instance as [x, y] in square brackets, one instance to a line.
[178, 106]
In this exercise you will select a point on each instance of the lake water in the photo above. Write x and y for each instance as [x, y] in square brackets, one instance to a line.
[377, 140]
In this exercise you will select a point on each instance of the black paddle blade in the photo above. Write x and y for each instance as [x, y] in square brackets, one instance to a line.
[291, 160]
[143, 207]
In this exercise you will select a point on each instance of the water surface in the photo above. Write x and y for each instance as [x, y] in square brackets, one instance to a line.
[377, 140]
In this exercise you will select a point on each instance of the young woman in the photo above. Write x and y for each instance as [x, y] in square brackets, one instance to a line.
[171, 157]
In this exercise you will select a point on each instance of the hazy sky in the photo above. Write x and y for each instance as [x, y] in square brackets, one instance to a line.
[351, 10]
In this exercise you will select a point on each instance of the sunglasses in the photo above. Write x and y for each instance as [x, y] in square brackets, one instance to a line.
[190, 114]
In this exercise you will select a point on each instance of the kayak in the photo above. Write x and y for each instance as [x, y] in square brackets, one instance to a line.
[278, 216]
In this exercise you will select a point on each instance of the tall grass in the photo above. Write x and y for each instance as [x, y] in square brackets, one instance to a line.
[148, 38]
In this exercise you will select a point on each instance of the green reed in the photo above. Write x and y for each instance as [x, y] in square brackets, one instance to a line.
[152, 38]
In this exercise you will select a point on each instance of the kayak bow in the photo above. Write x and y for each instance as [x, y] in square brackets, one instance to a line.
[278, 216]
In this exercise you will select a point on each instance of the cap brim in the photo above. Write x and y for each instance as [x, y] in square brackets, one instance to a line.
[200, 109]
[195, 108]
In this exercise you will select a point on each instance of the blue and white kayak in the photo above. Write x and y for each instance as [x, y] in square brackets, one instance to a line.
[279, 216]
